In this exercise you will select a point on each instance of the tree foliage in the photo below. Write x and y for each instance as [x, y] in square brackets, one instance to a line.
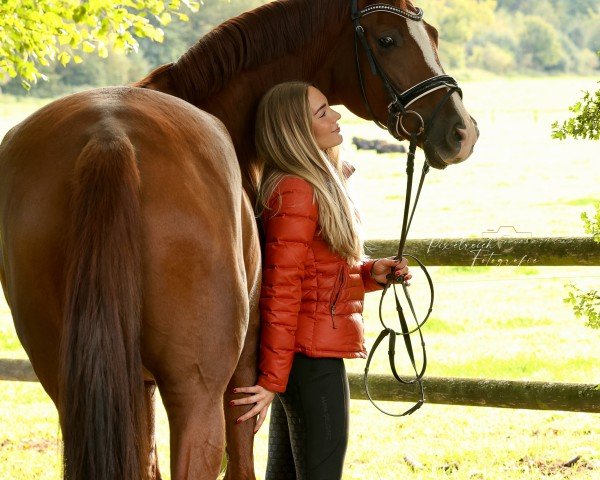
[35, 33]
[587, 304]
[586, 122]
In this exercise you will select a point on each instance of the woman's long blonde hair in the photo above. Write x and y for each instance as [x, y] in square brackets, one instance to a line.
[286, 146]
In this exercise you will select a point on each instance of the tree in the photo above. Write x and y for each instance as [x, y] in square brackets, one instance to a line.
[458, 21]
[540, 44]
[39, 32]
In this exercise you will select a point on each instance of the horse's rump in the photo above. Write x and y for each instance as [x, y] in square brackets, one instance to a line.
[91, 186]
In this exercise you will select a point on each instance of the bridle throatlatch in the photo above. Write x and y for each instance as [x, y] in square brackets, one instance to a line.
[398, 111]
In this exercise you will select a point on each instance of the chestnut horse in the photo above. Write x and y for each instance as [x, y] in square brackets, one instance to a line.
[130, 255]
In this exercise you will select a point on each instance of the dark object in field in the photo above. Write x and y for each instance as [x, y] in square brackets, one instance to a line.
[390, 148]
[380, 146]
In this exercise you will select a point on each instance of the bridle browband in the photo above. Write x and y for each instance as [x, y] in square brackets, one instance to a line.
[397, 110]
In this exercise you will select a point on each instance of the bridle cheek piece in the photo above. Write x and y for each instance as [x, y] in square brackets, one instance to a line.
[398, 111]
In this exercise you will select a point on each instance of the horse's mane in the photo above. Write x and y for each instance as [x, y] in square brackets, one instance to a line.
[250, 40]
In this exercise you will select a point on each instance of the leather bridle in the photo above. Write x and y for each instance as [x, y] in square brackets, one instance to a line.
[398, 106]
[397, 110]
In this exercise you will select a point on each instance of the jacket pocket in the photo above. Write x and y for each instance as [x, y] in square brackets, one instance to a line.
[335, 293]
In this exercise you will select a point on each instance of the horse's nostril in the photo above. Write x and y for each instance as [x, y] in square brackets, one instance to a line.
[459, 134]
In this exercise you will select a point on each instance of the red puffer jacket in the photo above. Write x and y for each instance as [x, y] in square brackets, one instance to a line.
[311, 299]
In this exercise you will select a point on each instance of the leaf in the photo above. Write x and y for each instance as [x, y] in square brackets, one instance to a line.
[64, 58]
[104, 28]
[102, 50]
[165, 18]
[119, 43]
[63, 39]
[88, 47]
[79, 13]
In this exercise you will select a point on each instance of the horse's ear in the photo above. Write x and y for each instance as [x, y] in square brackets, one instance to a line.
[433, 34]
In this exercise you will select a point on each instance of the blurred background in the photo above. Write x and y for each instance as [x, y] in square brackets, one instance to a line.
[521, 64]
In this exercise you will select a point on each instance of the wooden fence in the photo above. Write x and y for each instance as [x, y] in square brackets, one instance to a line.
[476, 252]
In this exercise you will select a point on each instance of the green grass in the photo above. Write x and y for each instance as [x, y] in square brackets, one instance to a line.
[582, 202]
[10, 347]
[506, 323]
[575, 202]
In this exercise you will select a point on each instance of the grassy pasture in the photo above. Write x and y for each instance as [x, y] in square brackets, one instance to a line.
[489, 322]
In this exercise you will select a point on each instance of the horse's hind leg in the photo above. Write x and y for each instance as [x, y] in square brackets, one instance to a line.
[240, 438]
[195, 328]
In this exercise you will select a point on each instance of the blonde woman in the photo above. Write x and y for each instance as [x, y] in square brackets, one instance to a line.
[315, 276]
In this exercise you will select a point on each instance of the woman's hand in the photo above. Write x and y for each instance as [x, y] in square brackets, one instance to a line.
[383, 266]
[261, 397]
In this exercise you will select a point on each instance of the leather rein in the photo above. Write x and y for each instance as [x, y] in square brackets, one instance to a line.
[397, 111]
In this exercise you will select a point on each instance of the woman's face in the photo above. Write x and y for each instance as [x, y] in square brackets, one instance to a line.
[324, 120]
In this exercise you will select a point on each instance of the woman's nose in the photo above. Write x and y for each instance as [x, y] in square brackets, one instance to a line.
[336, 115]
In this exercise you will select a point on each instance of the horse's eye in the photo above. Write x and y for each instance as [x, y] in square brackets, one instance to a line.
[386, 42]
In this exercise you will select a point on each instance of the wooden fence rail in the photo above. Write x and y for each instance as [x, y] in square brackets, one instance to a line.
[476, 252]
[495, 252]
[482, 392]
[449, 391]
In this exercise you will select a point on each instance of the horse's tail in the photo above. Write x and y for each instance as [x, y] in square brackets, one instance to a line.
[102, 389]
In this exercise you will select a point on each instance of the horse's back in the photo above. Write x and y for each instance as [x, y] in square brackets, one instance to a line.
[185, 158]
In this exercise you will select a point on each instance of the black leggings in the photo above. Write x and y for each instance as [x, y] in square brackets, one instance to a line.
[308, 432]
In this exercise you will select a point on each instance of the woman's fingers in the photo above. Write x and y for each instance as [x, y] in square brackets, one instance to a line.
[401, 263]
[250, 413]
[245, 400]
[391, 262]
[261, 418]
[261, 399]
[252, 389]
[384, 264]
[401, 271]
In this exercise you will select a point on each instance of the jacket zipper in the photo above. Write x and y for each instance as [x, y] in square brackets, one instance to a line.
[337, 289]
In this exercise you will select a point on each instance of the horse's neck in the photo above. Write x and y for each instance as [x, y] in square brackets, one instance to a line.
[235, 104]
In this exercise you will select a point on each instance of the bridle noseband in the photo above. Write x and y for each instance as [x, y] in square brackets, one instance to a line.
[397, 111]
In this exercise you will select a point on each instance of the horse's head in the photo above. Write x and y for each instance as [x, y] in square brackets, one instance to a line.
[396, 59]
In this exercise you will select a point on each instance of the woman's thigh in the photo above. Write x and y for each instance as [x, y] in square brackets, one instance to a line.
[321, 386]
